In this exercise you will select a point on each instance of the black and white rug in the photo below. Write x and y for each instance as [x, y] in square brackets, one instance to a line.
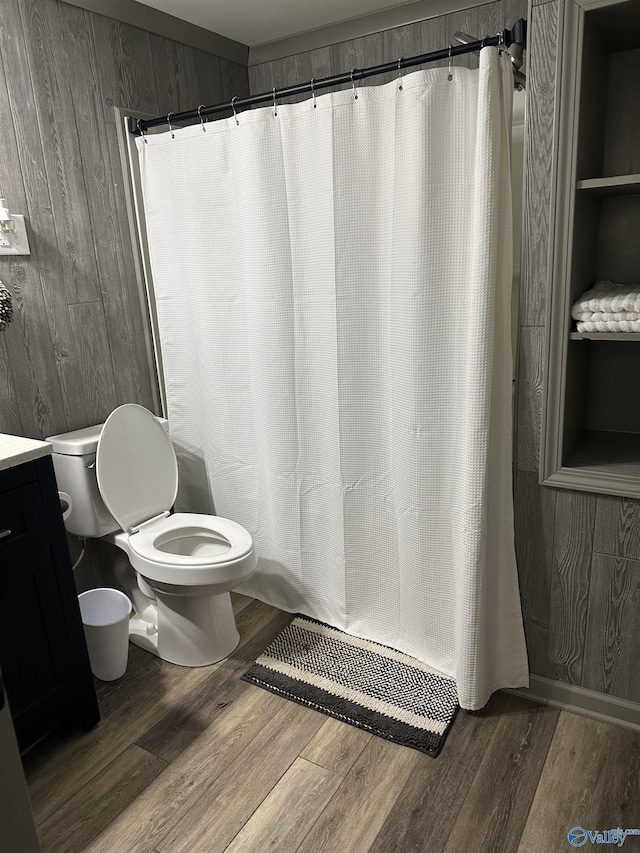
[365, 684]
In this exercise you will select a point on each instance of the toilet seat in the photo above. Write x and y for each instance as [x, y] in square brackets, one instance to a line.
[220, 540]
[136, 466]
[137, 474]
[149, 554]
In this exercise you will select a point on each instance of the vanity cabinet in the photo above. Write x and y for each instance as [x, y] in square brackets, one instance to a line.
[591, 419]
[43, 654]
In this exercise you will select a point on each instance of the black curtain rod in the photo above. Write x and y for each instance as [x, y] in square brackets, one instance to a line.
[516, 35]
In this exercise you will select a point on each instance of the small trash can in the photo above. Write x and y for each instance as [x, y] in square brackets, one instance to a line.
[105, 618]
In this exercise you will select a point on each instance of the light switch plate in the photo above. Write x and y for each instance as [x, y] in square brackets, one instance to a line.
[16, 243]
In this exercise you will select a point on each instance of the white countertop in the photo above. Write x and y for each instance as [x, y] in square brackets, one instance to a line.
[14, 450]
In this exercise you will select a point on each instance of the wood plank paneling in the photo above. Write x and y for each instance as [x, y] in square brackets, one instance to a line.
[529, 398]
[115, 269]
[535, 526]
[573, 546]
[65, 367]
[53, 100]
[591, 779]
[386, 46]
[56, 409]
[613, 628]
[617, 527]
[172, 77]
[93, 349]
[25, 364]
[541, 95]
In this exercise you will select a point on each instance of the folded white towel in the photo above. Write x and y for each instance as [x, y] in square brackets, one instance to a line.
[609, 298]
[609, 326]
[595, 316]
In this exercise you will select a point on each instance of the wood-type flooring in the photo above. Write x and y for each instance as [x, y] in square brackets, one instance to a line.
[198, 761]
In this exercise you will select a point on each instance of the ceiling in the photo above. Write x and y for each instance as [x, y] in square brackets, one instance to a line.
[255, 22]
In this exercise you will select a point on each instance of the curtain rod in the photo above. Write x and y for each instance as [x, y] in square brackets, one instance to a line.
[516, 35]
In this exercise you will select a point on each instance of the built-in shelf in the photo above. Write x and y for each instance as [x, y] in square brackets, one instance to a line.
[617, 185]
[607, 451]
[604, 336]
[591, 429]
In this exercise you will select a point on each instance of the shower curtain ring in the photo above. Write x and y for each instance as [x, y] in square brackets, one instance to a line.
[275, 103]
[313, 91]
[141, 132]
[400, 75]
[450, 75]
[501, 44]
[201, 119]
[173, 136]
[233, 107]
[353, 85]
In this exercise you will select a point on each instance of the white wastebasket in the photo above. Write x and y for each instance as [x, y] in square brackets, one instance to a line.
[105, 617]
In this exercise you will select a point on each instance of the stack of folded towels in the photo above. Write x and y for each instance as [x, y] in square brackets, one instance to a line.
[608, 307]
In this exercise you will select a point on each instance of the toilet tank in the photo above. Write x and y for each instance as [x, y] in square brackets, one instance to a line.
[74, 458]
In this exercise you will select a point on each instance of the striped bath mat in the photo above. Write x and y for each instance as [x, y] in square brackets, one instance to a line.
[367, 685]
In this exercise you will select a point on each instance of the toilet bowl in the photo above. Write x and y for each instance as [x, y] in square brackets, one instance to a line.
[178, 569]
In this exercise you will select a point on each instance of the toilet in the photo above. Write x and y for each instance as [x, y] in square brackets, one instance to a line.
[178, 569]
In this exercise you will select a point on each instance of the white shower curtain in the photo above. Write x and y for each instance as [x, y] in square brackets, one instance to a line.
[332, 287]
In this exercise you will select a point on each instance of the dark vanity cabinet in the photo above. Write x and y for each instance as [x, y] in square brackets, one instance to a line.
[43, 655]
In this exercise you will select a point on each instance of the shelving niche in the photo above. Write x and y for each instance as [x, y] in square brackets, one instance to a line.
[591, 421]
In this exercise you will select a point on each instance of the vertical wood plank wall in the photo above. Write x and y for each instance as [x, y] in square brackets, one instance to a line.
[76, 349]
[578, 553]
[387, 46]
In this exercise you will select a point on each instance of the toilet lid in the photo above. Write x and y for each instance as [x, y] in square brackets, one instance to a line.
[136, 466]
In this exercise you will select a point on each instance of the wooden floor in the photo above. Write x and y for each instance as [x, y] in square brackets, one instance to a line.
[197, 761]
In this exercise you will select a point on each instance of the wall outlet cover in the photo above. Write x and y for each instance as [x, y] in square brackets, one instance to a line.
[16, 243]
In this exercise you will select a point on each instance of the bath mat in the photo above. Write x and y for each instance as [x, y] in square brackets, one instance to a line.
[365, 684]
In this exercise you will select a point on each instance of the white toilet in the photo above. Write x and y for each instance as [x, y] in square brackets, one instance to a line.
[123, 479]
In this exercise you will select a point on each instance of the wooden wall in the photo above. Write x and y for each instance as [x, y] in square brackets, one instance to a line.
[75, 349]
[387, 46]
[578, 553]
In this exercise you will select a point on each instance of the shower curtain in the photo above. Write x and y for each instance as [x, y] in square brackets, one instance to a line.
[332, 281]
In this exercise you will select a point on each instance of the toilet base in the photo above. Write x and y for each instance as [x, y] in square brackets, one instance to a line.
[191, 630]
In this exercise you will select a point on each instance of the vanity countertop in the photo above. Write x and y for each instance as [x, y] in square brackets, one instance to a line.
[14, 450]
